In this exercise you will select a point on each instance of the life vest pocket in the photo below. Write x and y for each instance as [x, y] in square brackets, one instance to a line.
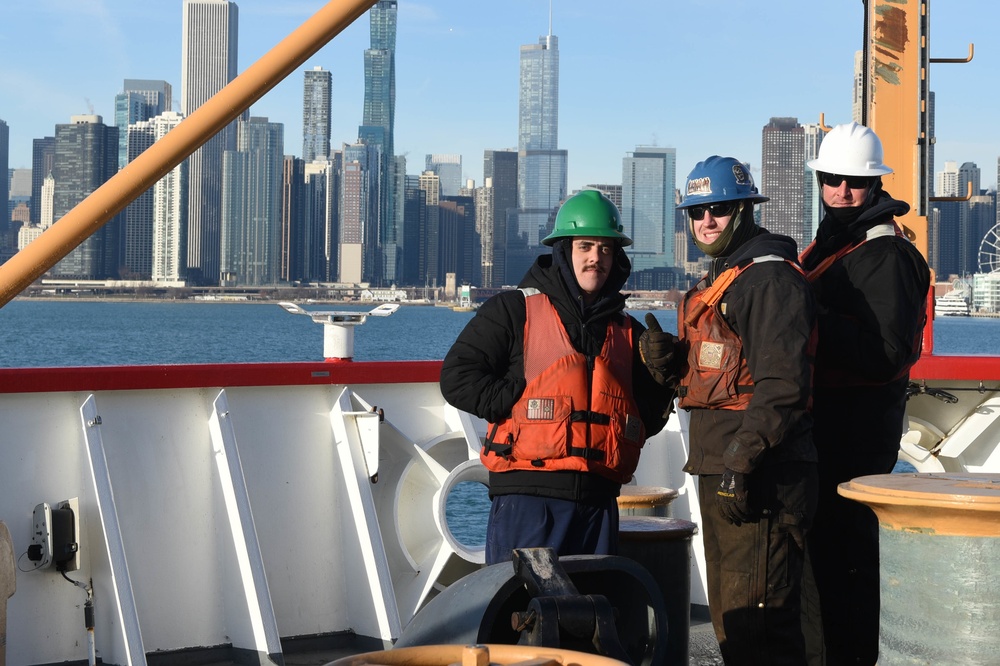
[712, 375]
[541, 427]
[628, 435]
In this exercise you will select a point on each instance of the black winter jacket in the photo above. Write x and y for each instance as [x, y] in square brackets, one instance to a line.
[483, 372]
[872, 305]
[770, 307]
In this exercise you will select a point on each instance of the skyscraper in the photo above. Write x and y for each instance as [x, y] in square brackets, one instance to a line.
[154, 222]
[323, 194]
[457, 241]
[359, 194]
[971, 218]
[449, 170]
[431, 238]
[169, 212]
[946, 180]
[140, 99]
[377, 131]
[43, 155]
[500, 173]
[648, 179]
[251, 205]
[19, 196]
[541, 169]
[296, 240]
[485, 227]
[4, 188]
[782, 178]
[981, 217]
[858, 100]
[86, 156]
[209, 48]
[812, 193]
[413, 259]
[316, 99]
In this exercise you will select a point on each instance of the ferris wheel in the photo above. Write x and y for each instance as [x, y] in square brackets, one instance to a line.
[989, 251]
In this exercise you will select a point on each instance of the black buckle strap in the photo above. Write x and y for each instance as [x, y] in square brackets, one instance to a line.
[590, 417]
[502, 450]
[586, 454]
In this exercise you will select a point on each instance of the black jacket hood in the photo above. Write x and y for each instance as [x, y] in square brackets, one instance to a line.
[553, 274]
[761, 244]
[834, 233]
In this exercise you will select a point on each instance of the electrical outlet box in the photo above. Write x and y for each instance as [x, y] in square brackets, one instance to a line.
[54, 540]
[41, 536]
[66, 535]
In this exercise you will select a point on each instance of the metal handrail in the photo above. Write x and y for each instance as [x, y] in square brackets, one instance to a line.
[968, 195]
[972, 51]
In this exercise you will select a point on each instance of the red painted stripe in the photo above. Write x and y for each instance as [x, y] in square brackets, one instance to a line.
[135, 377]
[976, 368]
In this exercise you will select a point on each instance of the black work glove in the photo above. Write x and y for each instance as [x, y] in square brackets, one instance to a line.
[656, 348]
[732, 498]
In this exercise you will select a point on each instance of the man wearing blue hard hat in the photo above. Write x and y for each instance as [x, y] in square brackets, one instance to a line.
[746, 344]
[555, 368]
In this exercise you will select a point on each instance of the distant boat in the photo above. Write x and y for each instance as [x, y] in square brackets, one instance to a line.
[952, 304]
[648, 304]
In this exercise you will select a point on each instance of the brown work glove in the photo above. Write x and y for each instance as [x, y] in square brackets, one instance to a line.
[656, 348]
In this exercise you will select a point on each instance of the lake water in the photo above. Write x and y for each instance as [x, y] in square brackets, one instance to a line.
[39, 333]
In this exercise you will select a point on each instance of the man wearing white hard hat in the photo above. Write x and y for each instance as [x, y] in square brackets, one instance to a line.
[871, 287]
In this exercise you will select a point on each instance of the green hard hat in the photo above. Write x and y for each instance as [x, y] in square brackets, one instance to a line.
[588, 213]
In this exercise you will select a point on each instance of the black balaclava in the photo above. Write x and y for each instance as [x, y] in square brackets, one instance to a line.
[740, 229]
[562, 258]
[838, 225]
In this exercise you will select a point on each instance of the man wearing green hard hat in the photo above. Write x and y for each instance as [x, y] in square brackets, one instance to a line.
[555, 368]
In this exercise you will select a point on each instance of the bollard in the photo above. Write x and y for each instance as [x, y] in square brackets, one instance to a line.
[476, 655]
[645, 501]
[663, 546]
[939, 551]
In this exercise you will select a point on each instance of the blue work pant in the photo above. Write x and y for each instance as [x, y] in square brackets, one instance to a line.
[568, 527]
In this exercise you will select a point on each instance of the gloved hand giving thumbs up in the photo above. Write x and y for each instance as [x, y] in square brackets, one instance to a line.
[656, 347]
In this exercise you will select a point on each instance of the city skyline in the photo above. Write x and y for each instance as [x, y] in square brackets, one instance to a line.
[646, 74]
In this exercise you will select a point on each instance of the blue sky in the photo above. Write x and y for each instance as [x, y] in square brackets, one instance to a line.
[702, 76]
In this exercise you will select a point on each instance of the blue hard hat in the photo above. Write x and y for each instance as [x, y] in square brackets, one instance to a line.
[719, 179]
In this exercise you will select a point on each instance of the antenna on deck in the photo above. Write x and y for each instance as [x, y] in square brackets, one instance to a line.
[338, 327]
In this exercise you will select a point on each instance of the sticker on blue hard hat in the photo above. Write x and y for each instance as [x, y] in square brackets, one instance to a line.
[740, 174]
[698, 186]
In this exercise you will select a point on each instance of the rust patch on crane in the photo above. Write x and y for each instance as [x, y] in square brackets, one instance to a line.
[889, 41]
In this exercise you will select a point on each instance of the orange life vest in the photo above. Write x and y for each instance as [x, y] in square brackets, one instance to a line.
[576, 413]
[715, 373]
[827, 375]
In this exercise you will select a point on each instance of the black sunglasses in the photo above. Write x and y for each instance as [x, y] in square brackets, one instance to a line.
[717, 210]
[853, 182]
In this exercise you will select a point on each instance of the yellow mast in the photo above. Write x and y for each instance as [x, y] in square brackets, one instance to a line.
[895, 89]
[897, 104]
[139, 175]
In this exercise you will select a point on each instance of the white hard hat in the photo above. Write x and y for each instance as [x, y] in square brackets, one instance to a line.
[850, 150]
